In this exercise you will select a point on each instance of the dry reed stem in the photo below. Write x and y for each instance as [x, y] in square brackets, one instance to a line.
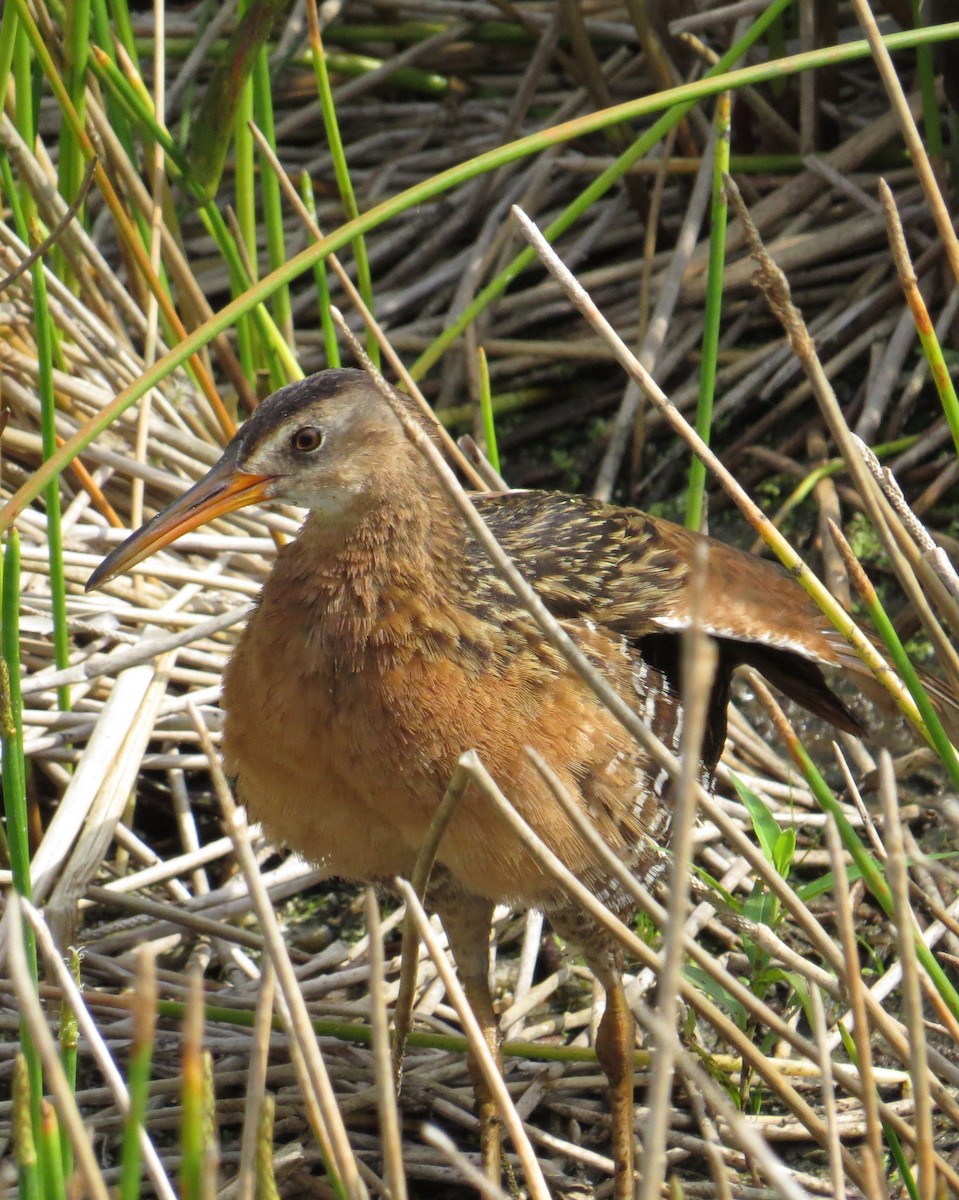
[478, 1179]
[872, 1151]
[754, 515]
[403, 1010]
[89, 1029]
[818, 1021]
[256, 1085]
[905, 927]
[56, 1079]
[917, 150]
[328, 1126]
[478, 1046]
[699, 657]
[603, 917]
[853, 288]
[655, 335]
[382, 1060]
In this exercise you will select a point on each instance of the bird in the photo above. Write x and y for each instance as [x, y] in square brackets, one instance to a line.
[384, 645]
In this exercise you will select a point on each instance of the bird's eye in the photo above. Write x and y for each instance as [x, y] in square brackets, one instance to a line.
[306, 439]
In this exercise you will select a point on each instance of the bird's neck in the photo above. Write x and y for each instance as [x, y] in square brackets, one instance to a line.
[361, 585]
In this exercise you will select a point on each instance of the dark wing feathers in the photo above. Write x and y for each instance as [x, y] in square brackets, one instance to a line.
[630, 572]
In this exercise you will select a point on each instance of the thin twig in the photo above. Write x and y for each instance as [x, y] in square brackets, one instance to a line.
[905, 927]
[328, 1126]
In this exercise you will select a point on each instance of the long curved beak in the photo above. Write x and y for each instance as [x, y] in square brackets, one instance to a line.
[220, 491]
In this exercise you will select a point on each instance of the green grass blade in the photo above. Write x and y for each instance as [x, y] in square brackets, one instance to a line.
[192, 1095]
[764, 824]
[120, 12]
[71, 163]
[137, 105]
[8, 38]
[23, 89]
[244, 171]
[69, 1038]
[835, 466]
[926, 72]
[272, 200]
[14, 781]
[424, 83]
[713, 315]
[44, 334]
[933, 730]
[420, 194]
[901, 1161]
[486, 410]
[138, 1075]
[24, 1142]
[213, 125]
[603, 182]
[341, 170]
[252, 350]
[243, 286]
[50, 1146]
[100, 19]
[266, 1188]
[869, 868]
[331, 343]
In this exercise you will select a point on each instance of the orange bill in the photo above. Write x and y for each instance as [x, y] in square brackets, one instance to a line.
[222, 490]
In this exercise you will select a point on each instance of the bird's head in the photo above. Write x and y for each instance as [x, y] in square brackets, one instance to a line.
[328, 443]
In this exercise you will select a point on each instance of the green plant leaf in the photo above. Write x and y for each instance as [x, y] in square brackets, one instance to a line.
[784, 851]
[764, 823]
[709, 987]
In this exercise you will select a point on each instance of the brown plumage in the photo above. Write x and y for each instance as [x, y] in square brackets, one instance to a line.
[384, 645]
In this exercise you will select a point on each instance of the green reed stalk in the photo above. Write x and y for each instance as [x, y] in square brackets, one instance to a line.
[277, 349]
[15, 783]
[102, 36]
[120, 12]
[486, 411]
[714, 309]
[70, 164]
[835, 466]
[421, 193]
[50, 1146]
[364, 279]
[138, 1074]
[265, 1187]
[272, 198]
[192, 1094]
[23, 86]
[252, 353]
[44, 336]
[69, 1039]
[900, 659]
[139, 107]
[331, 343]
[598, 188]
[870, 870]
[8, 38]
[926, 72]
[22, 1125]
[136, 103]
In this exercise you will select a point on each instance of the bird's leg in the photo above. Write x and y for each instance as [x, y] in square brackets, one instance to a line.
[468, 920]
[615, 1041]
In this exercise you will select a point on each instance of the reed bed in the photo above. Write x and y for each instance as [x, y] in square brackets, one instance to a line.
[227, 993]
